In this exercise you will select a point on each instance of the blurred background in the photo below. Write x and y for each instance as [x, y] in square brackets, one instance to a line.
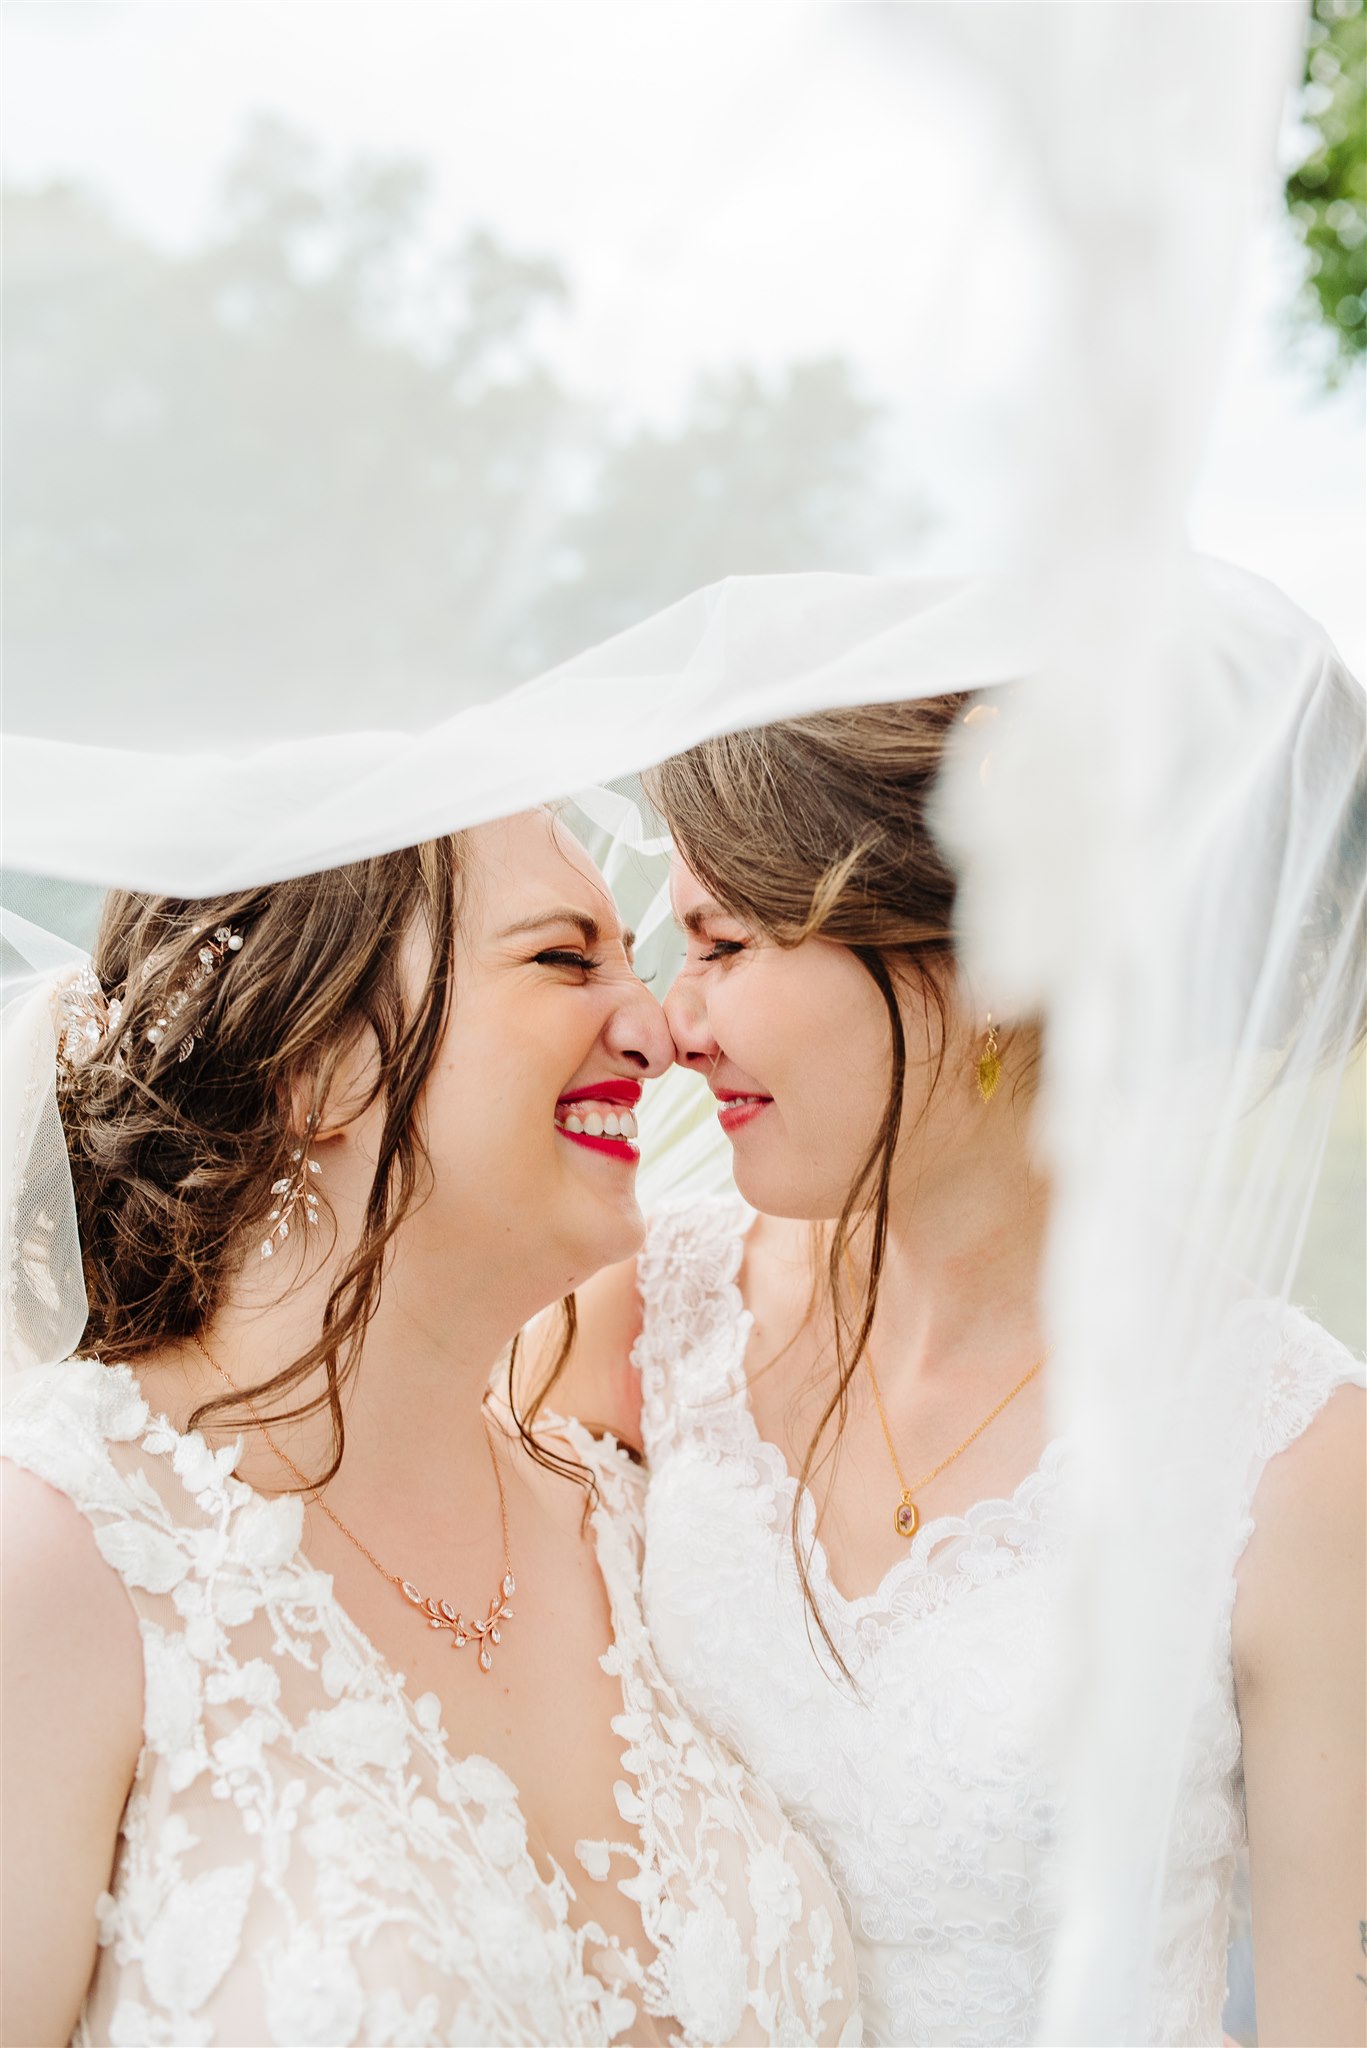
[380, 357]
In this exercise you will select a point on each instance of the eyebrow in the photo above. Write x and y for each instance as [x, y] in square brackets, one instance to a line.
[588, 926]
[693, 920]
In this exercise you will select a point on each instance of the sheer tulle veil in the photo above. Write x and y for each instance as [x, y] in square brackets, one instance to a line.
[1160, 839]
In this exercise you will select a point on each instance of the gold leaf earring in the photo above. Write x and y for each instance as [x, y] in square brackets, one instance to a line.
[989, 1063]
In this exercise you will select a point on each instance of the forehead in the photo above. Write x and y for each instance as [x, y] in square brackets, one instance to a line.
[686, 892]
[525, 864]
[684, 886]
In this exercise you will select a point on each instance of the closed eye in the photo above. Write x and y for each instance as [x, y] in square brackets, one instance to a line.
[722, 949]
[558, 956]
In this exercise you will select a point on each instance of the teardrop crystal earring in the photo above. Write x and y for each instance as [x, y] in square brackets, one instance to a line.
[291, 1190]
[989, 1063]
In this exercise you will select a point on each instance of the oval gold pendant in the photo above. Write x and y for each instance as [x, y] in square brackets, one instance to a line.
[906, 1516]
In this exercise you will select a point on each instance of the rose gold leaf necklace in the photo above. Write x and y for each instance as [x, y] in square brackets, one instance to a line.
[438, 1614]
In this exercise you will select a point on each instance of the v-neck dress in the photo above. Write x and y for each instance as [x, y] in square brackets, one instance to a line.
[930, 1791]
[305, 1858]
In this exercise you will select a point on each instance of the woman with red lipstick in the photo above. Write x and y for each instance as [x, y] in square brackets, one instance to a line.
[330, 1714]
[856, 1537]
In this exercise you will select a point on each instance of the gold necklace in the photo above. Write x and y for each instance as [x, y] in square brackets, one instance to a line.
[439, 1614]
[906, 1516]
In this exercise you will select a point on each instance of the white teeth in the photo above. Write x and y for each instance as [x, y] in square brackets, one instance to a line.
[599, 1120]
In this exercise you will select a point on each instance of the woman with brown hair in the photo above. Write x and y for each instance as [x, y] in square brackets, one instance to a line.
[856, 1529]
[329, 1711]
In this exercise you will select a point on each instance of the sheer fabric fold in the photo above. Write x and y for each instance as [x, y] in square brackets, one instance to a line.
[1160, 841]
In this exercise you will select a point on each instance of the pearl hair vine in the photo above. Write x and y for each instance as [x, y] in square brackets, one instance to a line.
[86, 1017]
[212, 952]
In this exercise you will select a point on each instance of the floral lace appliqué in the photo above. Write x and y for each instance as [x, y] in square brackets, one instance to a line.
[927, 1789]
[302, 1858]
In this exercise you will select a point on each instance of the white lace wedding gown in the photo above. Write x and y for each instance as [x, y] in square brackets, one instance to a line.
[928, 1796]
[303, 1858]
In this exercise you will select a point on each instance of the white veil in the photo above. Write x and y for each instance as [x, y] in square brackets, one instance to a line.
[1163, 855]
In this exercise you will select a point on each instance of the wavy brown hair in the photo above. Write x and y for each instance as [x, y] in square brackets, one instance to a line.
[818, 826]
[173, 1158]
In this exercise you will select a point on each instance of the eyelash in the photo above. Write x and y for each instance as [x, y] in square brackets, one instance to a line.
[724, 949]
[563, 957]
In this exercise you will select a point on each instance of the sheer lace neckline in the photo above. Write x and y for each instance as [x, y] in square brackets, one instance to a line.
[1025, 1503]
[424, 1713]
[929, 1780]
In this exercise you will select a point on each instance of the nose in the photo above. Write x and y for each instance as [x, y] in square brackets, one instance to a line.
[637, 1031]
[685, 1011]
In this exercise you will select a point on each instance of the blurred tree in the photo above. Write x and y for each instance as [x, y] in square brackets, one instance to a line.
[324, 453]
[762, 475]
[238, 472]
[1327, 193]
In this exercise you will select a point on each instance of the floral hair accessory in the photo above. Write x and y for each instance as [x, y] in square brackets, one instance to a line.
[85, 1017]
[211, 953]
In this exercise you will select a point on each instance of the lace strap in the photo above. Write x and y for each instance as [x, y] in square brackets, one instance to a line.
[61, 1422]
[147, 1491]
[1309, 1366]
[694, 1323]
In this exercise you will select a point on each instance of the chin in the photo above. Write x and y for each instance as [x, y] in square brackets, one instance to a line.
[605, 1239]
[786, 1194]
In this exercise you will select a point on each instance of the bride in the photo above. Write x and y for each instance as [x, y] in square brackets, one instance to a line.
[855, 1522]
[330, 1714]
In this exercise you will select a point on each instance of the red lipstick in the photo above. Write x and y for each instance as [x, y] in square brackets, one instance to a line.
[735, 1108]
[614, 1092]
[612, 1148]
[615, 1089]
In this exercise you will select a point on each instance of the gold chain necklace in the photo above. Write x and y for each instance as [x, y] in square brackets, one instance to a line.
[439, 1614]
[906, 1516]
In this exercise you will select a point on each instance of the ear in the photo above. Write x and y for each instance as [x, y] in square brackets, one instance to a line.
[331, 1099]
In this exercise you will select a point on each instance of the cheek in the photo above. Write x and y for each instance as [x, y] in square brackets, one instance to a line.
[490, 1100]
[817, 1036]
[827, 1073]
[845, 1063]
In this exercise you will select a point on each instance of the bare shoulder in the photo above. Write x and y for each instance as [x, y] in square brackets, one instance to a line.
[597, 1382]
[52, 1566]
[72, 1693]
[1300, 1649]
[1302, 1572]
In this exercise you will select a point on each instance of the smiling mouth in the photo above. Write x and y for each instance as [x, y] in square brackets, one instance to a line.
[602, 1120]
[734, 1111]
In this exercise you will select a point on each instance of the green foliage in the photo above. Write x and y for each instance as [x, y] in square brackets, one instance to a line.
[326, 452]
[1327, 194]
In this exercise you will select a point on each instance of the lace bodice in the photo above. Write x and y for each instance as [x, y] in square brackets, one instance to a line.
[930, 1794]
[302, 1857]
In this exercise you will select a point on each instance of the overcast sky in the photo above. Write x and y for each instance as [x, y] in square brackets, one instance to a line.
[696, 171]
